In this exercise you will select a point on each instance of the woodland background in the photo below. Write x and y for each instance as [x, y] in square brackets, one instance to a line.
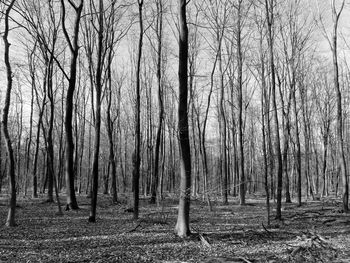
[95, 100]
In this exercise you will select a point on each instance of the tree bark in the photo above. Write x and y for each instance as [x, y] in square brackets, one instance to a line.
[240, 141]
[182, 228]
[137, 152]
[110, 129]
[270, 20]
[10, 221]
[97, 124]
[341, 151]
[74, 48]
[159, 33]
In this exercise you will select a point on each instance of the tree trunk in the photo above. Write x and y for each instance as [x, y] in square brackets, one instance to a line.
[264, 118]
[182, 228]
[74, 48]
[223, 130]
[10, 221]
[49, 139]
[341, 151]
[98, 89]
[159, 33]
[269, 4]
[137, 152]
[110, 129]
[298, 150]
[240, 141]
[324, 162]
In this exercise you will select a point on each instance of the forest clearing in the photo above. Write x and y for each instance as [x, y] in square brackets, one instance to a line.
[316, 232]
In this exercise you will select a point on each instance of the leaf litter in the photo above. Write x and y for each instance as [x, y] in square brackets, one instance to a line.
[314, 232]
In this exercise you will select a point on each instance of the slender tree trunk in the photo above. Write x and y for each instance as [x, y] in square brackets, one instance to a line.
[49, 139]
[98, 89]
[240, 141]
[182, 227]
[74, 48]
[202, 132]
[286, 139]
[307, 139]
[265, 109]
[297, 138]
[110, 129]
[270, 20]
[10, 221]
[264, 113]
[223, 130]
[137, 152]
[325, 154]
[159, 33]
[341, 151]
[41, 107]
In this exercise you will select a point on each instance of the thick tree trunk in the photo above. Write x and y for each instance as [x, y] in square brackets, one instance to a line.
[182, 227]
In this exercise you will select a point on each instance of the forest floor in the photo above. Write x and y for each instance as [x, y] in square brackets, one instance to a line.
[318, 231]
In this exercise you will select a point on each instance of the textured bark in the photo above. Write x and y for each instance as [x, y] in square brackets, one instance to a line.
[182, 227]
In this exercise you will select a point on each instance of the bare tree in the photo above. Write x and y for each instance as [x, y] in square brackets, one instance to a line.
[101, 54]
[269, 7]
[182, 227]
[74, 48]
[10, 221]
[137, 155]
[333, 43]
[159, 35]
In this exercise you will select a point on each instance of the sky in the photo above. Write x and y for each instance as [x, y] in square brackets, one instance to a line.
[321, 7]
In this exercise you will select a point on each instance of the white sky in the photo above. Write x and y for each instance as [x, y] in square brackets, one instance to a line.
[312, 6]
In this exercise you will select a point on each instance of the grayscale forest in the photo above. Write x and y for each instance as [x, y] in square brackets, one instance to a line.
[174, 131]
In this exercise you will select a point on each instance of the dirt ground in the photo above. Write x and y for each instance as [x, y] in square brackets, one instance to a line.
[316, 232]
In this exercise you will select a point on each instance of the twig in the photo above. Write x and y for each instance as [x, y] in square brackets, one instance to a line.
[134, 229]
[266, 229]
